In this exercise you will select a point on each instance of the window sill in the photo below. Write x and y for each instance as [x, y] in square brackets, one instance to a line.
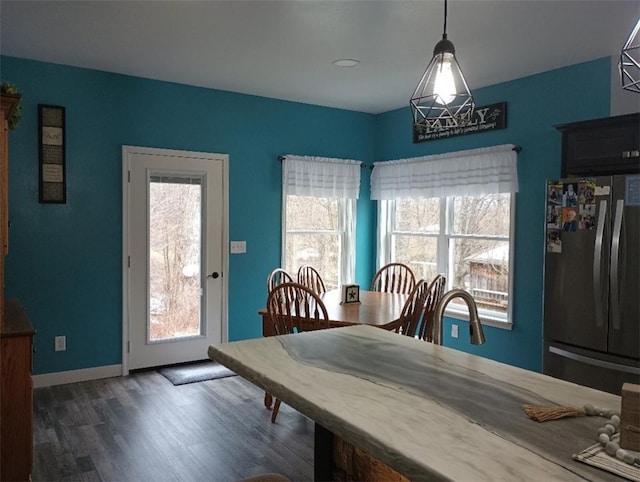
[484, 319]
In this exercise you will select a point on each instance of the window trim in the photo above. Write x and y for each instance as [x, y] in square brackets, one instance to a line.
[386, 218]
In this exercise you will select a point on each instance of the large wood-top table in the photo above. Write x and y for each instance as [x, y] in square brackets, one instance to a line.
[427, 411]
[375, 308]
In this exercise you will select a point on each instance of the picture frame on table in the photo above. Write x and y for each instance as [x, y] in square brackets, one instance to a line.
[350, 294]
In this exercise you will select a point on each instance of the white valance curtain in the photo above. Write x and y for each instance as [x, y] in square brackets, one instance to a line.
[320, 177]
[474, 172]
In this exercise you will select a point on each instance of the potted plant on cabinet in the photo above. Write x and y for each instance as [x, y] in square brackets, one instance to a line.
[10, 104]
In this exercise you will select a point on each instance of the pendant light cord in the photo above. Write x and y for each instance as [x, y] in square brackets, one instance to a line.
[444, 33]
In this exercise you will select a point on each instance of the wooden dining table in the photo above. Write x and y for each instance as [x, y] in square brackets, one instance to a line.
[375, 308]
[426, 411]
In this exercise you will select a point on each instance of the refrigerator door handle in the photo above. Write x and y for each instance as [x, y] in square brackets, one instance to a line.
[615, 265]
[593, 361]
[597, 264]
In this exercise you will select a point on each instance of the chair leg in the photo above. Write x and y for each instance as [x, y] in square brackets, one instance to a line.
[268, 400]
[276, 407]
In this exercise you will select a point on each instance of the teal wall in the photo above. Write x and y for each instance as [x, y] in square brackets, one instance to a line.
[534, 104]
[64, 261]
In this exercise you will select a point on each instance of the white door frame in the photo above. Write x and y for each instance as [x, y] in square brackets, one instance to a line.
[127, 150]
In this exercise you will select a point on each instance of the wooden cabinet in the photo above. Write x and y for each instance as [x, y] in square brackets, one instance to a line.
[601, 146]
[8, 104]
[16, 394]
[16, 344]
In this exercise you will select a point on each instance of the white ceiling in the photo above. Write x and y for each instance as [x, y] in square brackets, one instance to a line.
[285, 49]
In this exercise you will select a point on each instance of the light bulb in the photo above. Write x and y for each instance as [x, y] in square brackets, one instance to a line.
[444, 87]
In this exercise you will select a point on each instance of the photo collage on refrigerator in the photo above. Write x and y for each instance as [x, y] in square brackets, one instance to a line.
[571, 207]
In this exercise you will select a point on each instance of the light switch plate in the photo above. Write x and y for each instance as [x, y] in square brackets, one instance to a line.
[238, 247]
[454, 331]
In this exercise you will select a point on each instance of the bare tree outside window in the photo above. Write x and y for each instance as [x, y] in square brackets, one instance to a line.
[314, 235]
[481, 259]
[174, 258]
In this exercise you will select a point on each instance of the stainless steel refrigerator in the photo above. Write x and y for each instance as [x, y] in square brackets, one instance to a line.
[592, 281]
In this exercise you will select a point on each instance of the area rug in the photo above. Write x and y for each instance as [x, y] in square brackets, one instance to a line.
[195, 372]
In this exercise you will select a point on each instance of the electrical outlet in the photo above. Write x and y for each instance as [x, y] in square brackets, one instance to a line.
[238, 247]
[61, 343]
[454, 331]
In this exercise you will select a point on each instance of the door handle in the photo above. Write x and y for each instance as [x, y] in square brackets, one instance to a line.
[213, 275]
[597, 265]
[615, 265]
[593, 361]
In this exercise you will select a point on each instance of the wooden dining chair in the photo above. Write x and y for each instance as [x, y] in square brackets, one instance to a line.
[394, 278]
[434, 295]
[294, 308]
[275, 278]
[412, 311]
[278, 276]
[309, 277]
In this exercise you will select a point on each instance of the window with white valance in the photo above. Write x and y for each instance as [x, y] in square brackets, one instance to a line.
[319, 216]
[488, 170]
[321, 176]
[453, 214]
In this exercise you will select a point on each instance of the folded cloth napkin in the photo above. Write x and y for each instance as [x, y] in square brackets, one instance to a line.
[596, 456]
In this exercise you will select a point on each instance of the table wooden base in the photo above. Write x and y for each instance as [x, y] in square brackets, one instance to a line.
[338, 460]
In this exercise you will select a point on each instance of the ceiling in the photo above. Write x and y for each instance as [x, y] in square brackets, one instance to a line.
[285, 49]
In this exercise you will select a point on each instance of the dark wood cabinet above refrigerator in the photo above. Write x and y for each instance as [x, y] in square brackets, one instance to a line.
[601, 146]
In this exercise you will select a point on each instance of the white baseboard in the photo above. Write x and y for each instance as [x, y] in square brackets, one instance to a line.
[73, 376]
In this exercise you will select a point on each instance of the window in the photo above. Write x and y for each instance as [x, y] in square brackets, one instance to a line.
[452, 214]
[318, 216]
[320, 232]
[465, 238]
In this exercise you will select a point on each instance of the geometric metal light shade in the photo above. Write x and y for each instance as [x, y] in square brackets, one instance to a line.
[442, 97]
[630, 61]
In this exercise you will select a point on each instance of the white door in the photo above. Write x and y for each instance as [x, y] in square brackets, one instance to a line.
[175, 212]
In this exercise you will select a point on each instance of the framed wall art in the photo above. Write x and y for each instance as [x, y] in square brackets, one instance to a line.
[51, 135]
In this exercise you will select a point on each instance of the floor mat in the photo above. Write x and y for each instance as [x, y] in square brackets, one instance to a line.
[195, 372]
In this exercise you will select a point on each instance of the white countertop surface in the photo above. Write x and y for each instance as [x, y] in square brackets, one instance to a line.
[428, 411]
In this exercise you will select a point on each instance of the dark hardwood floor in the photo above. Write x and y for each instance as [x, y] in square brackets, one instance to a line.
[141, 427]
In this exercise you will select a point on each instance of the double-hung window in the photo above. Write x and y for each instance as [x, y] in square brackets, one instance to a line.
[452, 214]
[319, 216]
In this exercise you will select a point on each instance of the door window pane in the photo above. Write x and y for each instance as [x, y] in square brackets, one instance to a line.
[174, 258]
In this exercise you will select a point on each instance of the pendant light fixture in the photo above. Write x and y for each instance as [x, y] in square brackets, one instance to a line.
[442, 97]
[630, 61]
